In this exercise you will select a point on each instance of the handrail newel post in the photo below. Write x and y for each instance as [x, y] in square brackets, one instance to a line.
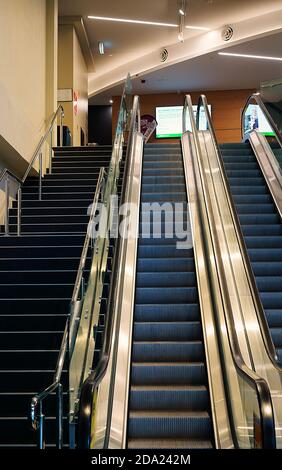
[7, 203]
[19, 210]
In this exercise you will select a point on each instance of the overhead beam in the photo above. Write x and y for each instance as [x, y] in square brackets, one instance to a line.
[78, 23]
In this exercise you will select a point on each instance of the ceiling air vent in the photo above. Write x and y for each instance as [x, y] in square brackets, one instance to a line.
[227, 33]
[164, 55]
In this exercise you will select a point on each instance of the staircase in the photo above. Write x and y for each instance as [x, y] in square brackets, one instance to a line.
[38, 271]
[169, 404]
[262, 229]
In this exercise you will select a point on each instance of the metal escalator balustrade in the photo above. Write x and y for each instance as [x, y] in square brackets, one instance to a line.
[147, 359]
[250, 401]
[262, 229]
[157, 394]
[96, 392]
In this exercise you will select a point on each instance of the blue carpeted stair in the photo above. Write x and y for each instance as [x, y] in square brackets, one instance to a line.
[262, 228]
[169, 398]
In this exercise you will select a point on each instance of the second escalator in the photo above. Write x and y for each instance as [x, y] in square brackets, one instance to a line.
[262, 229]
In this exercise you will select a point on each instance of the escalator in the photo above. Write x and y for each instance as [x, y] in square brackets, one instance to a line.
[175, 368]
[169, 404]
[262, 229]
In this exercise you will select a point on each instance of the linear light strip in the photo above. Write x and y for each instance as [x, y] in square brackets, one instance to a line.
[250, 56]
[124, 20]
[200, 28]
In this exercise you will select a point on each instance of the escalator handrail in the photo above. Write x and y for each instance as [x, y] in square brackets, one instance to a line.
[257, 383]
[92, 382]
[270, 348]
[259, 101]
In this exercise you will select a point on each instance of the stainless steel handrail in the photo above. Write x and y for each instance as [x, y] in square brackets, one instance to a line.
[91, 384]
[60, 110]
[36, 411]
[257, 383]
[37, 154]
[257, 98]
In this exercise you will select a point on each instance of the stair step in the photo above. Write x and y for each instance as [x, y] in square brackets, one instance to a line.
[35, 322]
[23, 340]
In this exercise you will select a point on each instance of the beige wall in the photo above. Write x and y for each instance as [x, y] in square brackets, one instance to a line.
[22, 79]
[51, 59]
[80, 86]
[72, 73]
[226, 110]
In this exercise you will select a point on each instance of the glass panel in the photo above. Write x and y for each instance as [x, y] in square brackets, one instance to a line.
[85, 312]
[256, 117]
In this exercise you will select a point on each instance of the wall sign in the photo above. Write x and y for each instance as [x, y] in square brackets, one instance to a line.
[75, 101]
[64, 95]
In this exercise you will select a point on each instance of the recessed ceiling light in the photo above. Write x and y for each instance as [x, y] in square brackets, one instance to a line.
[111, 101]
[200, 28]
[101, 48]
[124, 20]
[250, 56]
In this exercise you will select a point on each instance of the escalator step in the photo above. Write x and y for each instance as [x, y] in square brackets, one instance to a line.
[148, 331]
[169, 398]
[166, 424]
[169, 443]
[167, 312]
[168, 373]
[262, 229]
[174, 351]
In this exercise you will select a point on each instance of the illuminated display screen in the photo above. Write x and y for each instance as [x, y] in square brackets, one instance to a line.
[169, 119]
[255, 120]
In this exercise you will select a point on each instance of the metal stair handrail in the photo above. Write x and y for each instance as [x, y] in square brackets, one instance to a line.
[7, 174]
[36, 415]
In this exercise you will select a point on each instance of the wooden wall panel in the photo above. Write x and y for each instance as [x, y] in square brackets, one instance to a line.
[226, 110]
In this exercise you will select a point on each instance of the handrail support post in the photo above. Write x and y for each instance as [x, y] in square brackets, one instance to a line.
[41, 434]
[19, 211]
[60, 416]
[61, 129]
[7, 203]
[51, 152]
[40, 176]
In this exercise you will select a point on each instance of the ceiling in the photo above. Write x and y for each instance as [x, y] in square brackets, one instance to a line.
[211, 72]
[126, 42]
